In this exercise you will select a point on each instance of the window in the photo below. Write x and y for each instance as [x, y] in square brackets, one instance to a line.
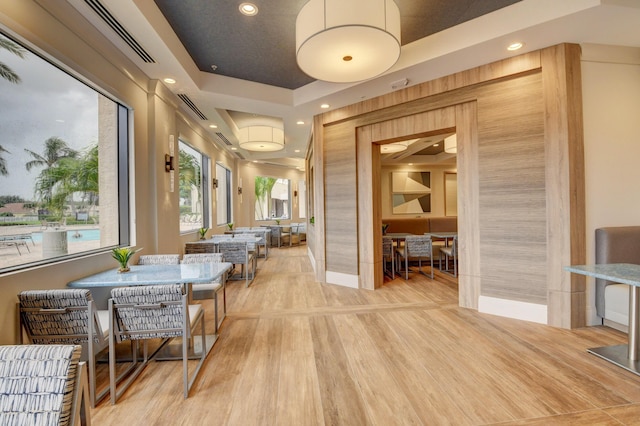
[272, 198]
[63, 163]
[223, 192]
[192, 172]
[302, 200]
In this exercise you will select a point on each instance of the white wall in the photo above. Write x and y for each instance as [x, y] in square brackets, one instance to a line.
[611, 101]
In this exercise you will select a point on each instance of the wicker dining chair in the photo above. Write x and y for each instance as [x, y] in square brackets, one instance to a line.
[388, 256]
[416, 248]
[450, 252]
[210, 290]
[66, 316]
[140, 313]
[237, 252]
[43, 385]
[159, 259]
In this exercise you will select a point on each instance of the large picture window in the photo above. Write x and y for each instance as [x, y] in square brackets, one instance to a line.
[192, 172]
[63, 163]
[223, 206]
[272, 198]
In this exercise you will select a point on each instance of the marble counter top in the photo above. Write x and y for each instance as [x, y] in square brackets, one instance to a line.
[624, 273]
[154, 274]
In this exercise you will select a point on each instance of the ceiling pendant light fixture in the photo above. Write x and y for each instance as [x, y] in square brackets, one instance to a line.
[346, 41]
[261, 138]
[393, 147]
[451, 144]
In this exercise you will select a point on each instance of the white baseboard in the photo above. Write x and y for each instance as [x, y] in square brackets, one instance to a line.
[345, 280]
[513, 309]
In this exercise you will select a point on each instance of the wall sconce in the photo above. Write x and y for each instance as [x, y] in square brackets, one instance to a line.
[168, 163]
[295, 192]
[239, 191]
[214, 183]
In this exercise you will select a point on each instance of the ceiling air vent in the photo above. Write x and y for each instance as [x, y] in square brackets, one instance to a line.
[116, 26]
[224, 139]
[191, 105]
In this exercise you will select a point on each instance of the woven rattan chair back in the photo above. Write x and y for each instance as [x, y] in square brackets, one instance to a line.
[150, 312]
[159, 259]
[237, 252]
[201, 247]
[66, 316]
[416, 247]
[42, 385]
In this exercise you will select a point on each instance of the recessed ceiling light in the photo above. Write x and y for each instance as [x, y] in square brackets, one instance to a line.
[300, 122]
[515, 46]
[324, 106]
[233, 148]
[411, 164]
[248, 9]
[436, 144]
[169, 80]
[297, 150]
[213, 126]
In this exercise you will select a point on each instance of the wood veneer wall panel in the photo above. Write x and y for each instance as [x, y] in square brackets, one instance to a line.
[340, 199]
[493, 71]
[416, 124]
[469, 255]
[511, 175]
[319, 238]
[564, 148]
[369, 229]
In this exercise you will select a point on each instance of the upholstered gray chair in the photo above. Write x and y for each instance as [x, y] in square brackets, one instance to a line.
[43, 385]
[388, 256]
[210, 290]
[416, 248]
[237, 252]
[450, 252]
[152, 312]
[159, 259]
[66, 316]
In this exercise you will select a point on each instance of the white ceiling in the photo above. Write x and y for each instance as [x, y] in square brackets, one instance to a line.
[537, 23]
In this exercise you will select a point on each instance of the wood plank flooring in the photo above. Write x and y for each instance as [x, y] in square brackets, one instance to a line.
[296, 352]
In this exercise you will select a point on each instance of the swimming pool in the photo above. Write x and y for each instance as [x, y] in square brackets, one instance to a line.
[73, 235]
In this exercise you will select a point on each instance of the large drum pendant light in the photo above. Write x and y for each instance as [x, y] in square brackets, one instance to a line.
[345, 41]
[261, 138]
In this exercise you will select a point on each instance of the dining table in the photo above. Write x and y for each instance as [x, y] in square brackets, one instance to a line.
[101, 284]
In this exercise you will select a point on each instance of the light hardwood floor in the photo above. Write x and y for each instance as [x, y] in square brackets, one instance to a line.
[296, 352]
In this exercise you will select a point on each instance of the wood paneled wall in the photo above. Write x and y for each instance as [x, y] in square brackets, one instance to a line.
[520, 201]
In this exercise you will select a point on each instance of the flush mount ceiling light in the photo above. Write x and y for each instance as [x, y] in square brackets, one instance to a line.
[393, 147]
[343, 42]
[261, 138]
[515, 46]
[451, 144]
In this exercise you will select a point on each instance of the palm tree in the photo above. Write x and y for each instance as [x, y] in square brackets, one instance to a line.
[9, 75]
[263, 187]
[55, 150]
[3, 162]
[6, 72]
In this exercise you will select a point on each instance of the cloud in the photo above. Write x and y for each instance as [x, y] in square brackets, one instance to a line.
[48, 102]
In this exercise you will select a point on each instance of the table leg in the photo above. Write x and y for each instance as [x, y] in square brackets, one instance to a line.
[634, 318]
[626, 356]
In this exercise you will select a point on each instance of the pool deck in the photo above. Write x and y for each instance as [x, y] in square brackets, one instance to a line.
[9, 255]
